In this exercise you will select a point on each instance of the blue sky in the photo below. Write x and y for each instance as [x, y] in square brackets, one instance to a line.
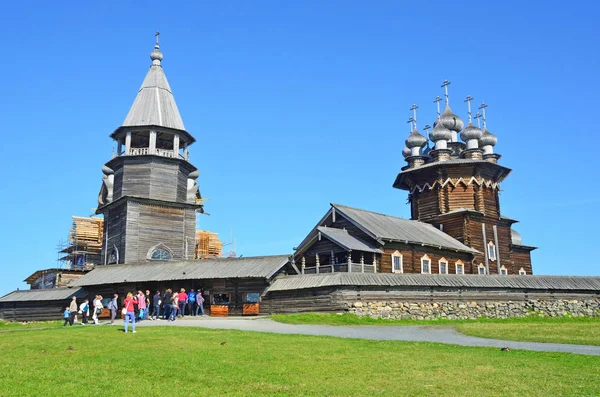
[295, 105]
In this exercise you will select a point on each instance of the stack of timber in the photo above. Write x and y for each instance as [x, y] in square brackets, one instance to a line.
[208, 245]
[85, 243]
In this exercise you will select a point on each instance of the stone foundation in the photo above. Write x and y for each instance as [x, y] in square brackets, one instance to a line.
[473, 310]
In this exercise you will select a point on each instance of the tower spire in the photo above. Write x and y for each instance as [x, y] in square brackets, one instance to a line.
[445, 85]
[156, 45]
[414, 108]
[437, 101]
[468, 101]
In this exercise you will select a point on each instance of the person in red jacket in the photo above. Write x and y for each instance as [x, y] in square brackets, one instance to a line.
[128, 307]
[182, 302]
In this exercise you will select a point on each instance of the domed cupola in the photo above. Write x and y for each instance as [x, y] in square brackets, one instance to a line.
[415, 142]
[440, 135]
[487, 140]
[405, 152]
[471, 134]
[451, 121]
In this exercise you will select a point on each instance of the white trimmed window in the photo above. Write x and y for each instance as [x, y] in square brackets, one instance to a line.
[503, 271]
[443, 265]
[397, 262]
[522, 272]
[460, 267]
[425, 265]
[491, 251]
[481, 269]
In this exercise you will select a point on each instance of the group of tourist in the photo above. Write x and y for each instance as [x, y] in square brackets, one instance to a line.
[137, 307]
[71, 311]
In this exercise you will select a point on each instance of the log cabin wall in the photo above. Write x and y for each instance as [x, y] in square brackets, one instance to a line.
[151, 177]
[150, 225]
[115, 227]
[520, 258]
[412, 254]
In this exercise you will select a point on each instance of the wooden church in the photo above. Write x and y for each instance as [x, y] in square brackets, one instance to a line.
[456, 226]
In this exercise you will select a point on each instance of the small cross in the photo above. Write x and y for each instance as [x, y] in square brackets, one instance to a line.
[426, 128]
[445, 85]
[482, 108]
[438, 100]
[414, 108]
[478, 116]
[468, 101]
[157, 34]
[410, 121]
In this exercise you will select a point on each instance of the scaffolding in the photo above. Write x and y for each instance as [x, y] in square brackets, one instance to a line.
[83, 248]
[208, 245]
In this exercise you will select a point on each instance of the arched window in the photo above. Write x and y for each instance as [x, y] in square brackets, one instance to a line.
[460, 267]
[397, 262]
[114, 255]
[481, 269]
[159, 252]
[160, 255]
[425, 265]
[443, 265]
[491, 251]
[503, 271]
[522, 272]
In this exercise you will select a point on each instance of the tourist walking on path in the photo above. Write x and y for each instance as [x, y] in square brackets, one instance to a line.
[67, 316]
[174, 301]
[156, 301]
[129, 308]
[141, 304]
[84, 310]
[192, 302]
[98, 306]
[167, 303]
[113, 306]
[200, 303]
[72, 310]
[182, 301]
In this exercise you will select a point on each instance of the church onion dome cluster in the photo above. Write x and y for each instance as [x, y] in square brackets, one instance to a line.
[477, 143]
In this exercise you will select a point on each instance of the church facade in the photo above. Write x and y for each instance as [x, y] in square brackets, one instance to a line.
[456, 226]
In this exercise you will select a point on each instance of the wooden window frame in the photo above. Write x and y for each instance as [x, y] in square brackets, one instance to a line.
[522, 272]
[503, 271]
[443, 260]
[492, 257]
[479, 268]
[425, 258]
[397, 254]
[461, 264]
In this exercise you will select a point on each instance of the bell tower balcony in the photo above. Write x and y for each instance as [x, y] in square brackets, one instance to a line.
[153, 141]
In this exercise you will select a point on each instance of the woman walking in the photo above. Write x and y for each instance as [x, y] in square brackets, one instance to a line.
[182, 302]
[98, 306]
[128, 305]
[200, 303]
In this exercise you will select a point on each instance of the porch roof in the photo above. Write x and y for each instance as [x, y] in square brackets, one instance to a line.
[342, 238]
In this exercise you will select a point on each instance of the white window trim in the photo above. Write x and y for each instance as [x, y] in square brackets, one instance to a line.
[503, 269]
[522, 272]
[397, 254]
[481, 266]
[425, 258]
[490, 257]
[443, 260]
[457, 264]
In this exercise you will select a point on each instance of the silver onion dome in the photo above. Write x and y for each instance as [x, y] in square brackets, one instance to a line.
[156, 56]
[450, 120]
[415, 139]
[470, 132]
[440, 132]
[405, 152]
[487, 139]
[515, 237]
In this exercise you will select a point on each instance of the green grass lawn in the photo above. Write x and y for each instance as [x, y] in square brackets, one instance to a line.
[183, 361]
[578, 330]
